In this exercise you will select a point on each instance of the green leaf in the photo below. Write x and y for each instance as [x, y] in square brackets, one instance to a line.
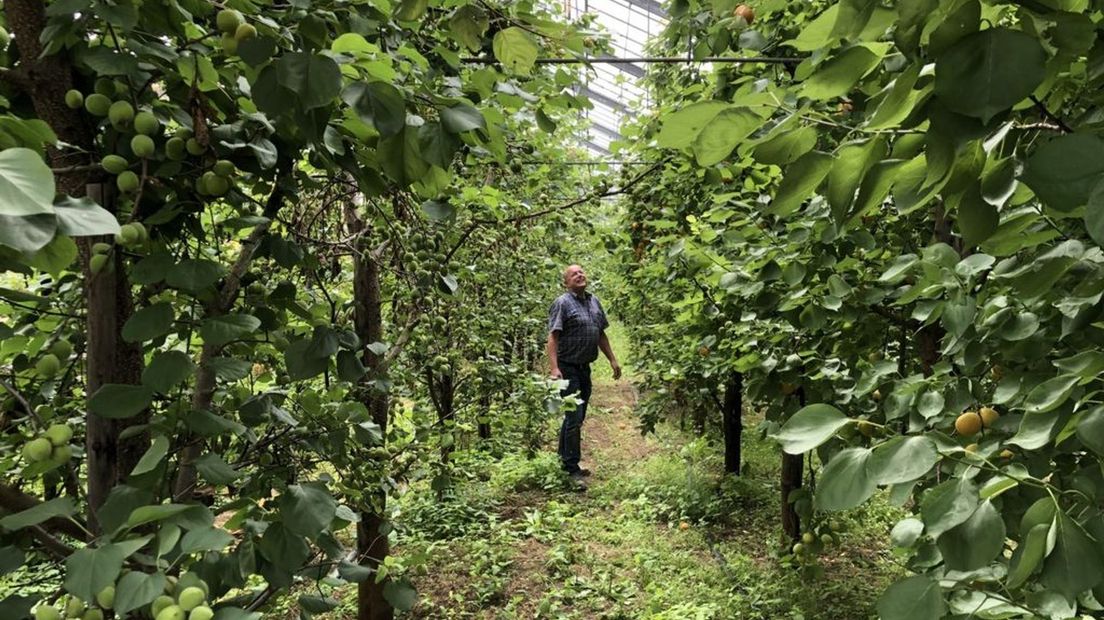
[223, 330]
[58, 507]
[194, 274]
[836, 76]
[379, 104]
[916, 598]
[723, 133]
[988, 72]
[461, 118]
[975, 542]
[1075, 565]
[55, 256]
[283, 548]
[160, 512]
[800, 181]
[681, 128]
[809, 427]
[977, 219]
[156, 453]
[1094, 213]
[215, 470]
[1028, 555]
[400, 594]
[401, 158]
[205, 539]
[1065, 171]
[116, 400]
[27, 220]
[786, 147]
[236, 613]
[307, 509]
[166, 370]
[903, 459]
[1049, 394]
[136, 589]
[411, 10]
[850, 166]
[948, 504]
[149, 323]
[438, 211]
[92, 569]
[516, 50]
[899, 99]
[467, 25]
[82, 217]
[844, 482]
[315, 79]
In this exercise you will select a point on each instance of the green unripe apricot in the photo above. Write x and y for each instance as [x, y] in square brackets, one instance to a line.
[5, 38]
[172, 612]
[106, 597]
[97, 104]
[129, 235]
[224, 168]
[61, 454]
[142, 145]
[38, 449]
[202, 612]
[798, 548]
[48, 365]
[114, 164]
[127, 181]
[58, 434]
[194, 147]
[74, 99]
[97, 263]
[228, 20]
[229, 44]
[146, 123]
[245, 32]
[121, 114]
[175, 150]
[74, 608]
[216, 185]
[47, 612]
[93, 614]
[808, 538]
[191, 597]
[101, 248]
[161, 603]
[62, 349]
[141, 228]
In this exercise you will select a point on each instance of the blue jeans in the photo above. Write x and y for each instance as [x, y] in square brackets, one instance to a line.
[571, 431]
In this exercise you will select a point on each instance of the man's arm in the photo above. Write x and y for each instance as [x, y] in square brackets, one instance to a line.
[604, 345]
[553, 360]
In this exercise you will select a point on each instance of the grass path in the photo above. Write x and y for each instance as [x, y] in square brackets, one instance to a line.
[660, 534]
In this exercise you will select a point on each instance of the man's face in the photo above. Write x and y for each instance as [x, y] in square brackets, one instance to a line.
[575, 279]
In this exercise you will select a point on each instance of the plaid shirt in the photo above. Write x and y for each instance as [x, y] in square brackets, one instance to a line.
[580, 321]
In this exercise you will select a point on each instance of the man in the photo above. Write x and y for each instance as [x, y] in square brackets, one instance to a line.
[576, 331]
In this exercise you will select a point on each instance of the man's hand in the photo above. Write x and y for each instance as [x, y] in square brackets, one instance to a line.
[616, 371]
[556, 374]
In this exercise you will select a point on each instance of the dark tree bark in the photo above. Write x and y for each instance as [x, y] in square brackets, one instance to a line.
[373, 545]
[793, 465]
[733, 422]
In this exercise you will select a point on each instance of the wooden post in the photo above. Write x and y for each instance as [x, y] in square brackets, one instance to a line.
[733, 423]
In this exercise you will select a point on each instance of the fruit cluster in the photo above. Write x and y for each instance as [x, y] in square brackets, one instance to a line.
[51, 446]
[815, 541]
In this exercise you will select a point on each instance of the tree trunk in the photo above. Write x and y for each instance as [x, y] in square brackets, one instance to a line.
[733, 422]
[372, 545]
[793, 465]
[484, 411]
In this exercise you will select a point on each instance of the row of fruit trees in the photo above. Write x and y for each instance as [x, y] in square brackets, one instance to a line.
[885, 232]
[262, 266]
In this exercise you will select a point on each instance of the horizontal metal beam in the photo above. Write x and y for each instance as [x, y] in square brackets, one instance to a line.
[595, 147]
[606, 130]
[611, 60]
[650, 6]
[600, 98]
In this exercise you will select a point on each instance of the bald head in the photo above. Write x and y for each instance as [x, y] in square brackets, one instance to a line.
[575, 279]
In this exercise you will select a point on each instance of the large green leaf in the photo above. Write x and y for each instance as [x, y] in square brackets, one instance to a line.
[90, 570]
[916, 598]
[1075, 564]
[215, 470]
[283, 548]
[1090, 430]
[57, 507]
[975, 542]
[116, 400]
[844, 483]
[948, 504]
[723, 133]
[1094, 213]
[55, 256]
[836, 76]
[307, 509]
[315, 79]
[149, 323]
[27, 220]
[1029, 554]
[1064, 172]
[400, 594]
[899, 99]
[82, 217]
[850, 166]
[801, 180]
[401, 157]
[156, 453]
[166, 370]
[461, 118]
[223, 330]
[136, 590]
[903, 459]
[977, 219]
[1050, 394]
[988, 72]
[679, 129]
[516, 50]
[205, 539]
[411, 10]
[379, 104]
[194, 274]
[786, 147]
[467, 25]
[809, 427]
